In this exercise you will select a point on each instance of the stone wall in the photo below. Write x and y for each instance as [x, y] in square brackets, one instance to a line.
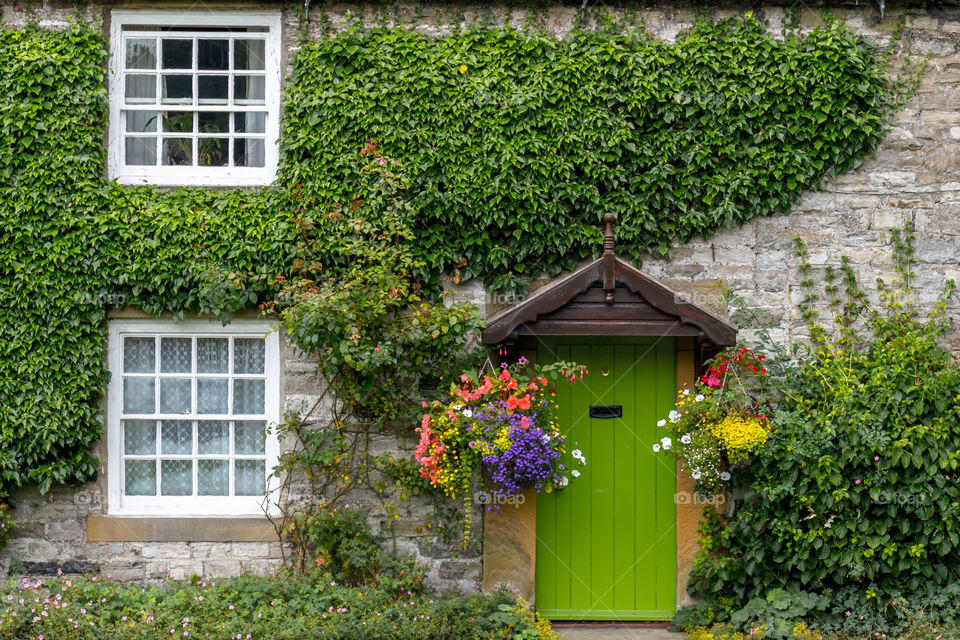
[914, 177]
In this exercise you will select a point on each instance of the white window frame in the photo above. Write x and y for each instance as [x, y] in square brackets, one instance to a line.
[122, 505]
[195, 175]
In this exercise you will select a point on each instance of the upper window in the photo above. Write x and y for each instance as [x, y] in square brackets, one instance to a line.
[194, 97]
[190, 406]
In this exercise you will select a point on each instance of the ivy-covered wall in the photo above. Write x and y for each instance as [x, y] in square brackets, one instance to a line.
[516, 141]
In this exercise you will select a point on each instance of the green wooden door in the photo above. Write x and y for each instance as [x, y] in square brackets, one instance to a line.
[606, 544]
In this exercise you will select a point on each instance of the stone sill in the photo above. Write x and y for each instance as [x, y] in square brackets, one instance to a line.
[102, 528]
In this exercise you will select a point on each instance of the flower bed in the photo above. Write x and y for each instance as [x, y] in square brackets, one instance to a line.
[294, 607]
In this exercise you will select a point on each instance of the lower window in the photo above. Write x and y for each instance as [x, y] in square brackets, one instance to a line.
[191, 406]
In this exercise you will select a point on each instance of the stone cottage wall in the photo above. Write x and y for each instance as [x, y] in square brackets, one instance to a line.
[915, 177]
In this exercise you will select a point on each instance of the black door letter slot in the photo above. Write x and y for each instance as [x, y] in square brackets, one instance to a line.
[606, 411]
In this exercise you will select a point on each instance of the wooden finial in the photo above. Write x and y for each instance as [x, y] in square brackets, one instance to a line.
[609, 258]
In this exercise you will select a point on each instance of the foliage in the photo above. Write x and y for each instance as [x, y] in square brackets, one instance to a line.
[377, 343]
[340, 541]
[855, 495]
[779, 611]
[499, 429]
[307, 606]
[722, 421]
[518, 143]
[509, 176]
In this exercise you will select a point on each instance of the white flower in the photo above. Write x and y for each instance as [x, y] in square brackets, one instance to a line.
[656, 448]
[564, 481]
[674, 416]
[699, 397]
[686, 392]
[575, 473]
[724, 476]
[457, 407]
[577, 454]
[666, 442]
[546, 438]
[686, 439]
[696, 474]
[661, 423]
[467, 413]
[583, 460]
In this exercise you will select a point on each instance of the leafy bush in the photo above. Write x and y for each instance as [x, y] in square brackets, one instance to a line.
[856, 496]
[291, 607]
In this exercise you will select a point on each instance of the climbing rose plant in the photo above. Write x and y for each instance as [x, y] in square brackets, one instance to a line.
[721, 422]
[499, 429]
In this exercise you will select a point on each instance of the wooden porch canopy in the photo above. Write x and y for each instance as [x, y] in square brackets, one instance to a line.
[609, 297]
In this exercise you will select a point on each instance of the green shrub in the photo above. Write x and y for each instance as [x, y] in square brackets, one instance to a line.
[856, 496]
[290, 607]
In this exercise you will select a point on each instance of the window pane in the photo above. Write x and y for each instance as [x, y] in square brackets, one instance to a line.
[140, 477]
[213, 122]
[176, 437]
[248, 397]
[213, 477]
[213, 152]
[175, 355]
[250, 122]
[140, 88]
[212, 89]
[249, 152]
[250, 477]
[178, 121]
[141, 121]
[139, 437]
[139, 355]
[141, 53]
[176, 477]
[177, 54]
[212, 355]
[248, 355]
[249, 437]
[175, 395]
[177, 151]
[249, 89]
[213, 436]
[249, 54]
[140, 151]
[177, 89]
[138, 395]
[213, 54]
[212, 395]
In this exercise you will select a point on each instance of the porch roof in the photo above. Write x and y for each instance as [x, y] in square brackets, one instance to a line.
[609, 297]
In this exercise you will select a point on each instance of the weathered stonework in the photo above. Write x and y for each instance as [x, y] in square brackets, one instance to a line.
[915, 176]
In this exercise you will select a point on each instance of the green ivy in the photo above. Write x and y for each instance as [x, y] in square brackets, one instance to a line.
[515, 143]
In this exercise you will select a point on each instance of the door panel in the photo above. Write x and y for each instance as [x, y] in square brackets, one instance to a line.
[606, 545]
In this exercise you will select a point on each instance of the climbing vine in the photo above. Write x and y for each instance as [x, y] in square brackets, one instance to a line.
[514, 143]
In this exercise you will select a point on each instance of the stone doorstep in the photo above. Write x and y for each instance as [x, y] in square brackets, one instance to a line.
[615, 631]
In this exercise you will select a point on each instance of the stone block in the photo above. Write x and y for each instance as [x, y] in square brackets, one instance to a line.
[223, 568]
[166, 550]
[64, 530]
[251, 550]
[124, 571]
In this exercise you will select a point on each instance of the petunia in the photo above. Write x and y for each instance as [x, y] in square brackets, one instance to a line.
[699, 397]
[575, 473]
[724, 476]
[686, 439]
[661, 423]
[674, 416]
[656, 448]
[666, 442]
[696, 474]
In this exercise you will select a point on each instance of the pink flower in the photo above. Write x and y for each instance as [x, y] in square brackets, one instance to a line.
[876, 458]
[857, 481]
[376, 349]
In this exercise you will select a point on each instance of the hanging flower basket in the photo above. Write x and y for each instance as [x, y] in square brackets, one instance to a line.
[497, 435]
[719, 423]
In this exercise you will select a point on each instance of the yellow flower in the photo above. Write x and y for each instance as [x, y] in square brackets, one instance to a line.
[463, 69]
[739, 435]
